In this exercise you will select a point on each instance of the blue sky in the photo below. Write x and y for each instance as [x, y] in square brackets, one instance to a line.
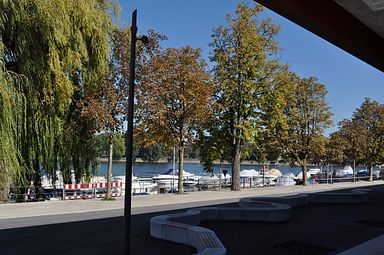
[348, 79]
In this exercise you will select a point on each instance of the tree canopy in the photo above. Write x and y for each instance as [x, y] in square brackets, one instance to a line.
[52, 54]
[174, 99]
[362, 136]
[244, 73]
[308, 116]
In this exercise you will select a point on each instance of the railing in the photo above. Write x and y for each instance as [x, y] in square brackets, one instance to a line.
[333, 179]
[22, 194]
[87, 191]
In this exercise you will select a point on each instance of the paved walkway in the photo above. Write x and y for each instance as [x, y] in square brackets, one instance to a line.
[155, 203]
[95, 227]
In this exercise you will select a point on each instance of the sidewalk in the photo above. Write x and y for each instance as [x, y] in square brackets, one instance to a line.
[155, 203]
[95, 227]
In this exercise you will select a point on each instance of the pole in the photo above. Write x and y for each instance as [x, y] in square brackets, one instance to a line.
[173, 168]
[129, 140]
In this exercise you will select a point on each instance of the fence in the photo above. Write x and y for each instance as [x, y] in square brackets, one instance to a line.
[87, 191]
[332, 179]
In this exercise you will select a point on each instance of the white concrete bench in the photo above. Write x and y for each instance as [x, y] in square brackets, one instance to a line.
[171, 227]
[181, 227]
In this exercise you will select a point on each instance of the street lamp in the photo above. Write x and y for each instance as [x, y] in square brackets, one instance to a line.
[129, 135]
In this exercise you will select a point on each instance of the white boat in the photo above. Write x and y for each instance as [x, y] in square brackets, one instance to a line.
[209, 179]
[46, 182]
[299, 176]
[214, 179]
[285, 180]
[172, 175]
[313, 171]
[346, 171]
[254, 178]
[170, 179]
[249, 173]
[310, 173]
[290, 175]
[272, 173]
[139, 186]
[192, 180]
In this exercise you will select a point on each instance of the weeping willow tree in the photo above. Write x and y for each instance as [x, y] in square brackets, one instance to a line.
[11, 108]
[52, 54]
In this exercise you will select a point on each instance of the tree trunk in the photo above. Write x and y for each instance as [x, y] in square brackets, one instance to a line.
[109, 176]
[304, 171]
[236, 165]
[181, 166]
[371, 173]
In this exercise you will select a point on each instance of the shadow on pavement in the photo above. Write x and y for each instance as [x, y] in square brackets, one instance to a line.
[317, 229]
[93, 237]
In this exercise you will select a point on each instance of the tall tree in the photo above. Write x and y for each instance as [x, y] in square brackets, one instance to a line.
[105, 107]
[308, 116]
[364, 134]
[244, 74]
[60, 49]
[335, 148]
[11, 112]
[174, 99]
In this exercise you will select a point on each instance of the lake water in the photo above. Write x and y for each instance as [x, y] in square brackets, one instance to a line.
[146, 169]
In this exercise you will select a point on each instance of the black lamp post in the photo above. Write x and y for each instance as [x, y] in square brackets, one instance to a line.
[129, 136]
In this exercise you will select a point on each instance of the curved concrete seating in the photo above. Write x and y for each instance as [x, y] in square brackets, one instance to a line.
[352, 197]
[181, 227]
[294, 200]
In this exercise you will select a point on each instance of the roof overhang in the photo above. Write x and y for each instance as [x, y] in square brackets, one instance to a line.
[356, 26]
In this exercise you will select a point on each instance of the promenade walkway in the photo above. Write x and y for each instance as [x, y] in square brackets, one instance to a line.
[155, 203]
[95, 226]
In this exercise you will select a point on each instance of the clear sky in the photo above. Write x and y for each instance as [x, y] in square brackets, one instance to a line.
[348, 79]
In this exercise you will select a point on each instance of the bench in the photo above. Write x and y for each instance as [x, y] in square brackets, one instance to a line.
[181, 227]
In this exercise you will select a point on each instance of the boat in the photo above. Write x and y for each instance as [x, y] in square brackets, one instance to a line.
[251, 173]
[286, 180]
[170, 179]
[172, 174]
[365, 173]
[313, 171]
[253, 177]
[214, 180]
[299, 176]
[209, 180]
[47, 183]
[273, 172]
[268, 176]
[347, 171]
[140, 186]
